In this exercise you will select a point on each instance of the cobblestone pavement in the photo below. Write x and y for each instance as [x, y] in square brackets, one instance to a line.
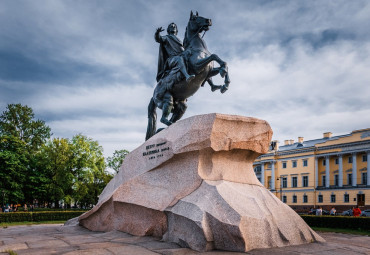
[58, 239]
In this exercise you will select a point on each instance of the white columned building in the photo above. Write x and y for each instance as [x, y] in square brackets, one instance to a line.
[340, 170]
[316, 172]
[368, 168]
[327, 172]
[273, 175]
[263, 174]
[354, 170]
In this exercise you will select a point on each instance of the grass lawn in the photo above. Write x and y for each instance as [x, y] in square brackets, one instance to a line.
[343, 230]
[9, 224]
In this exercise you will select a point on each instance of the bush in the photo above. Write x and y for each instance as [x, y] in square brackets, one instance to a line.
[39, 216]
[348, 222]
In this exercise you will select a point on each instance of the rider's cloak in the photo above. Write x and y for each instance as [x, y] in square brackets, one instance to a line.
[170, 46]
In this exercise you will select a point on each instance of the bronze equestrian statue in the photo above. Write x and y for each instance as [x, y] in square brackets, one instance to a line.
[182, 70]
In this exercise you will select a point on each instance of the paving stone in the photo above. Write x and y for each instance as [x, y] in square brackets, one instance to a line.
[157, 245]
[54, 239]
[130, 250]
[90, 251]
[180, 251]
[47, 244]
[13, 246]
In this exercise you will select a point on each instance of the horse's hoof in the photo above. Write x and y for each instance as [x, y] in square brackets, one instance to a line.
[223, 72]
[166, 122]
[214, 88]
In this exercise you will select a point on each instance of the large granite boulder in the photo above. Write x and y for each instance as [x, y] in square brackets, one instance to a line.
[193, 184]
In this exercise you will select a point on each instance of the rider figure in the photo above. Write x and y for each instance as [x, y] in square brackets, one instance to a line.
[170, 51]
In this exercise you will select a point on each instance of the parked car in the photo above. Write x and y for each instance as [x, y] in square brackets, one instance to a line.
[365, 213]
[313, 212]
[347, 213]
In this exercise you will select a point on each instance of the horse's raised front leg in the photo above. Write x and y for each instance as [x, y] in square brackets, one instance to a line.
[213, 86]
[225, 87]
[222, 70]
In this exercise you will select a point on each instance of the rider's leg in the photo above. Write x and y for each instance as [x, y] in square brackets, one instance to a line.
[167, 108]
[182, 67]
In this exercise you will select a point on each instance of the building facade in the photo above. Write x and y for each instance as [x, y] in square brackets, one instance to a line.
[330, 171]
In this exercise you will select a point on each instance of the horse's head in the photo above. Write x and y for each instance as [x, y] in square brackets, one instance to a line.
[198, 24]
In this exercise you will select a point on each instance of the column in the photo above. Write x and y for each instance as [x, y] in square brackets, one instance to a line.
[316, 172]
[327, 172]
[368, 168]
[354, 170]
[340, 159]
[273, 175]
[263, 174]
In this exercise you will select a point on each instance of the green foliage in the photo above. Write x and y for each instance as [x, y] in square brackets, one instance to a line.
[20, 138]
[117, 159]
[33, 166]
[347, 222]
[39, 216]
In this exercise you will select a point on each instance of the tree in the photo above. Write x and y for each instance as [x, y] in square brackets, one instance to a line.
[18, 121]
[115, 162]
[21, 137]
[56, 177]
[89, 170]
[13, 166]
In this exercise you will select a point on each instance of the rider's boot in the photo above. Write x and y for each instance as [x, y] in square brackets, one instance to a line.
[189, 77]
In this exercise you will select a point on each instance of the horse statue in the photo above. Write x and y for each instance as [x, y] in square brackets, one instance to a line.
[171, 92]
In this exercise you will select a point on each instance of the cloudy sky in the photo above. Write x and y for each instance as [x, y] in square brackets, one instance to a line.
[89, 66]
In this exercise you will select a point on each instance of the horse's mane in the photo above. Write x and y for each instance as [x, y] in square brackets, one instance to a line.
[186, 39]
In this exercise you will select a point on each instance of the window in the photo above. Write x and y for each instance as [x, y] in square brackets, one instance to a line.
[284, 164]
[305, 198]
[294, 164]
[349, 179]
[346, 198]
[305, 181]
[323, 180]
[350, 159]
[332, 198]
[364, 178]
[320, 198]
[285, 182]
[305, 162]
[324, 162]
[336, 180]
[284, 199]
[364, 158]
[337, 161]
[294, 182]
[294, 199]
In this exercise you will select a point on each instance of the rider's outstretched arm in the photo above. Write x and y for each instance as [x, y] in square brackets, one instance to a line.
[158, 38]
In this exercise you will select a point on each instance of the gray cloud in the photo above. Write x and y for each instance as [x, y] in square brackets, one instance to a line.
[89, 66]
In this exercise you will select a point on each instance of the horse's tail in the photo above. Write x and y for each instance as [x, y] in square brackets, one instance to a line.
[152, 120]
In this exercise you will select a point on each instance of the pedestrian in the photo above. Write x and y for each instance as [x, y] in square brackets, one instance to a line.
[356, 211]
[333, 212]
[25, 207]
[319, 211]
